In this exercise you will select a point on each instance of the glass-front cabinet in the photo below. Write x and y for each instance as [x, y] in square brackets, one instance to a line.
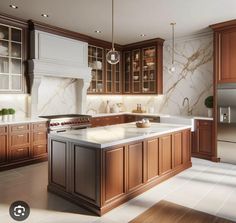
[142, 68]
[96, 61]
[11, 72]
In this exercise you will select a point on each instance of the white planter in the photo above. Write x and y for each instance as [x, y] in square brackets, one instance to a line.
[5, 118]
[210, 112]
[11, 118]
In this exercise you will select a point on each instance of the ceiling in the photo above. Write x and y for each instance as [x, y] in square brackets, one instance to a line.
[132, 17]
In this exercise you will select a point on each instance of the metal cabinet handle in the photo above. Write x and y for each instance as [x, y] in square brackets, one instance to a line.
[20, 135]
[20, 149]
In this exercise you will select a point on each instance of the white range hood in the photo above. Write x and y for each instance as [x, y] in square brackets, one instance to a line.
[55, 56]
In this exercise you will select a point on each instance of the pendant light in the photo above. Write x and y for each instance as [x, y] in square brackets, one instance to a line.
[113, 57]
[172, 66]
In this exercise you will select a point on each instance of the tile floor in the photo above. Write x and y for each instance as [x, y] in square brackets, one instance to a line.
[207, 186]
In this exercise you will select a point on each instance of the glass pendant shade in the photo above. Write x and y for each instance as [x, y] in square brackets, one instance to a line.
[171, 69]
[113, 57]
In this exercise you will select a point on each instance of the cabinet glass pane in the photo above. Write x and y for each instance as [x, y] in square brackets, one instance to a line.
[16, 35]
[4, 65]
[4, 48]
[127, 71]
[16, 82]
[16, 66]
[16, 50]
[4, 82]
[4, 32]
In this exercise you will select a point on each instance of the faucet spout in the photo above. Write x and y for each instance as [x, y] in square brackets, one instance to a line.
[187, 99]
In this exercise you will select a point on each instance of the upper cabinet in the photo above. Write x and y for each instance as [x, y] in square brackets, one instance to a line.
[12, 55]
[225, 51]
[106, 78]
[142, 67]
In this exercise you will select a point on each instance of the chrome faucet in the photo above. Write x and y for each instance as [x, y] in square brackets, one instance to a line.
[187, 99]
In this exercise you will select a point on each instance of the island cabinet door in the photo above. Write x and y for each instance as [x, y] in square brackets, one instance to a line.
[165, 154]
[152, 158]
[135, 165]
[113, 173]
[186, 146]
[85, 179]
[177, 146]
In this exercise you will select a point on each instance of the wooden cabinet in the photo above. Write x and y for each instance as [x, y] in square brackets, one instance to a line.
[39, 139]
[165, 153]
[225, 51]
[19, 142]
[107, 120]
[142, 68]
[152, 158]
[22, 144]
[177, 147]
[202, 139]
[114, 170]
[3, 144]
[135, 165]
[13, 37]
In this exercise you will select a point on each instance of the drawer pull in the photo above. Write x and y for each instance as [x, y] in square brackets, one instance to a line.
[20, 127]
[20, 150]
[21, 135]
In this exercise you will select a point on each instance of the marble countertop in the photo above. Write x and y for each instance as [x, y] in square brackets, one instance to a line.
[102, 137]
[22, 121]
[153, 114]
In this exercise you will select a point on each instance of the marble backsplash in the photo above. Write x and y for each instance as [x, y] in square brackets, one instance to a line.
[193, 78]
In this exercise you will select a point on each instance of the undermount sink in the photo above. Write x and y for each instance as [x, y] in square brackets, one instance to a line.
[184, 120]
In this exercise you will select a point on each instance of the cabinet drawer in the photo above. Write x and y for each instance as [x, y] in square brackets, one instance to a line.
[39, 126]
[19, 139]
[39, 150]
[3, 130]
[19, 153]
[205, 123]
[16, 128]
[39, 137]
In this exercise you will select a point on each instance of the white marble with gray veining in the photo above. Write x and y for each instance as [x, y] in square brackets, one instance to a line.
[103, 137]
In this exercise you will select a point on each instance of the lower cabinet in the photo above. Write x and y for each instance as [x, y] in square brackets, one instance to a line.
[202, 139]
[3, 144]
[135, 165]
[22, 143]
[101, 179]
[107, 120]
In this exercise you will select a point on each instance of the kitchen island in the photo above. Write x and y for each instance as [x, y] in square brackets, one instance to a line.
[101, 168]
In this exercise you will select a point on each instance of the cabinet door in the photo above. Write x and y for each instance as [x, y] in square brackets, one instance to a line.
[127, 72]
[114, 173]
[177, 148]
[135, 165]
[204, 137]
[136, 71]
[165, 154]
[227, 72]
[19, 154]
[129, 118]
[186, 146]
[152, 159]
[3, 148]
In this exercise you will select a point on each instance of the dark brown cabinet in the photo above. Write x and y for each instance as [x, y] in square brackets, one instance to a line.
[3, 144]
[22, 144]
[225, 51]
[142, 68]
[177, 144]
[107, 120]
[202, 139]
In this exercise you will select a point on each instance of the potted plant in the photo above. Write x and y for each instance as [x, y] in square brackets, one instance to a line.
[5, 114]
[209, 104]
[1, 114]
[11, 114]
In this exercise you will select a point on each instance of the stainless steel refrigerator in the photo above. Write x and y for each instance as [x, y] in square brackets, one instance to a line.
[226, 122]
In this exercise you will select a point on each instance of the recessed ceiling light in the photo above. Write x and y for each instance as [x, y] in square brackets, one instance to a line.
[142, 35]
[13, 6]
[98, 31]
[45, 15]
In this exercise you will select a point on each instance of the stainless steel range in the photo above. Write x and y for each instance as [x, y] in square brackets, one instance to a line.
[62, 123]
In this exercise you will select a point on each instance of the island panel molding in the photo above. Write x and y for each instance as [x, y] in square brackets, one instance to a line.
[103, 178]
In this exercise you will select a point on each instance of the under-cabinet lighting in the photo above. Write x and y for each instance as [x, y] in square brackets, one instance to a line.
[142, 35]
[98, 31]
[13, 6]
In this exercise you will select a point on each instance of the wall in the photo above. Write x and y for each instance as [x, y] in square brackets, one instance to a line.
[192, 79]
